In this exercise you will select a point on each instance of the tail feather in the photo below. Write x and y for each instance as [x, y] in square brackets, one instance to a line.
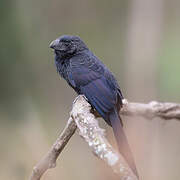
[122, 141]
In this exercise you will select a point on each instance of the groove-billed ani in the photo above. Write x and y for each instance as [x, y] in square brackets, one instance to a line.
[87, 75]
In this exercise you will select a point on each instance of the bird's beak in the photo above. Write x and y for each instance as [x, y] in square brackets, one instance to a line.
[54, 44]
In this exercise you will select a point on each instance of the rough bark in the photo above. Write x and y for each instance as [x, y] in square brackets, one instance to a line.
[81, 117]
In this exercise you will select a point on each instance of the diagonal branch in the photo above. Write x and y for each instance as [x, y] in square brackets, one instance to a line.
[82, 117]
[90, 131]
[49, 160]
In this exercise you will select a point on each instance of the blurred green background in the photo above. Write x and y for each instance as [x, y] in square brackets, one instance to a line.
[138, 40]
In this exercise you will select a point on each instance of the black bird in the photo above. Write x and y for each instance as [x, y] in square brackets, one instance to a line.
[87, 75]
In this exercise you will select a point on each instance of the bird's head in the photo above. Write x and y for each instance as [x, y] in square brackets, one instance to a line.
[66, 45]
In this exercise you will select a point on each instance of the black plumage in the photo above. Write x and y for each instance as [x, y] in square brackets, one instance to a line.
[87, 75]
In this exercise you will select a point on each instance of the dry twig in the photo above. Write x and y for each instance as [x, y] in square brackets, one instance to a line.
[49, 160]
[89, 129]
[166, 111]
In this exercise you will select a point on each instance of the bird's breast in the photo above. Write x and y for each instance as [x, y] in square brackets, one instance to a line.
[62, 67]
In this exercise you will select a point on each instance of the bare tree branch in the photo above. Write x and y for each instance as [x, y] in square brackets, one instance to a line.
[166, 111]
[82, 117]
[49, 160]
[90, 131]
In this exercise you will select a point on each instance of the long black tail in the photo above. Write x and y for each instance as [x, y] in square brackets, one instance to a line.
[122, 141]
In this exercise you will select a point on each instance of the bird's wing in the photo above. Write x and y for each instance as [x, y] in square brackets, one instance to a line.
[100, 96]
[90, 80]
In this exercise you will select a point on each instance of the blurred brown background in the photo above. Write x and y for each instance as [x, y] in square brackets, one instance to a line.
[138, 40]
